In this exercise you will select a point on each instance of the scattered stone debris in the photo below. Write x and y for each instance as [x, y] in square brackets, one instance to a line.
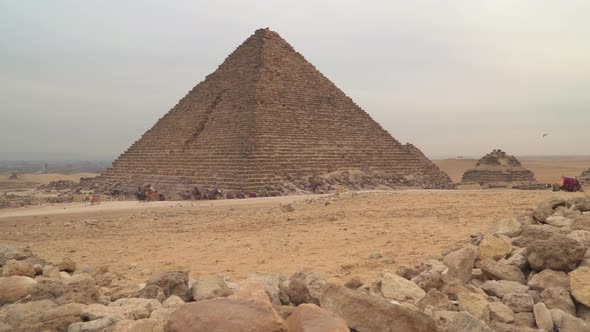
[527, 274]
[61, 185]
[287, 207]
[375, 255]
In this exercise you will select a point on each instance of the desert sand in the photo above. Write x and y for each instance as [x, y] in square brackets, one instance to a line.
[332, 234]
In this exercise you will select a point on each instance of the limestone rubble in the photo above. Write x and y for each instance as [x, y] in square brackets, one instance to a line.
[463, 291]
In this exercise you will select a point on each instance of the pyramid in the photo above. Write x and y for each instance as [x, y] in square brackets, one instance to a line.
[498, 166]
[266, 119]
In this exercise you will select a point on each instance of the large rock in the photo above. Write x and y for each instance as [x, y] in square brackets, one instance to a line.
[586, 260]
[501, 312]
[543, 316]
[67, 265]
[10, 252]
[18, 268]
[502, 287]
[40, 316]
[275, 286]
[435, 299]
[364, 312]
[305, 287]
[505, 327]
[580, 284]
[519, 302]
[151, 292]
[583, 312]
[51, 272]
[428, 280]
[150, 304]
[574, 324]
[547, 208]
[141, 325]
[581, 204]
[98, 311]
[507, 227]
[465, 322]
[580, 236]
[582, 223]
[80, 288]
[172, 283]
[557, 298]
[400, 289]
[560, 221]
[517, 258]
[459, 265]
[532, 233]
[499, 271]
[556, 252]
[311, 318]
[475, 304]
[249, 309]
[549, 279]
[15, 288]
[162, 314]
[493, 247]
[125, 290]
[98, 325]
[568, 323]
[210, 287]
[524, 320]
[172, 301]
[568, 212]
[438, 266]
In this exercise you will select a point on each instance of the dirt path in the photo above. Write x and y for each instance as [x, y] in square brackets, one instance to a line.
[86, 208]
[331, 234]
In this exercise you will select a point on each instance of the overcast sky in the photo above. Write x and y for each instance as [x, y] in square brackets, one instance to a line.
[86, 78]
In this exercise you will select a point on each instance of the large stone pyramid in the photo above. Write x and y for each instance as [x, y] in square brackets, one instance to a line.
[498, 166]
[267, 119]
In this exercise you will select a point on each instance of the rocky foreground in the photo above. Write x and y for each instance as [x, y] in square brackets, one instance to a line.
[531, 273]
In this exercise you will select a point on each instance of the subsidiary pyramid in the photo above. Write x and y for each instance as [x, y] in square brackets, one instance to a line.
[498, 166]
[268, 120]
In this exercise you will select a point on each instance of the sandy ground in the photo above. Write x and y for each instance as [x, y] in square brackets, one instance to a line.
[547, 170]
[332, 234]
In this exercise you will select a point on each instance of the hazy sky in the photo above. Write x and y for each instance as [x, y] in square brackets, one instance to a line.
[87, 78]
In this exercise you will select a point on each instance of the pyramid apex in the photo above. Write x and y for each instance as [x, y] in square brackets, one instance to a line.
[264, 31]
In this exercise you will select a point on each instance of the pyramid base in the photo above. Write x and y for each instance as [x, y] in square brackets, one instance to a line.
[174, 187]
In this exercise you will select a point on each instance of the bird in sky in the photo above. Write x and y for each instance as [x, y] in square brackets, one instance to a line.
[545, 135]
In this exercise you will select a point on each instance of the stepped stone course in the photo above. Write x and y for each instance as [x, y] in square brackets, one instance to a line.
[498, 166]
[266, 120]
